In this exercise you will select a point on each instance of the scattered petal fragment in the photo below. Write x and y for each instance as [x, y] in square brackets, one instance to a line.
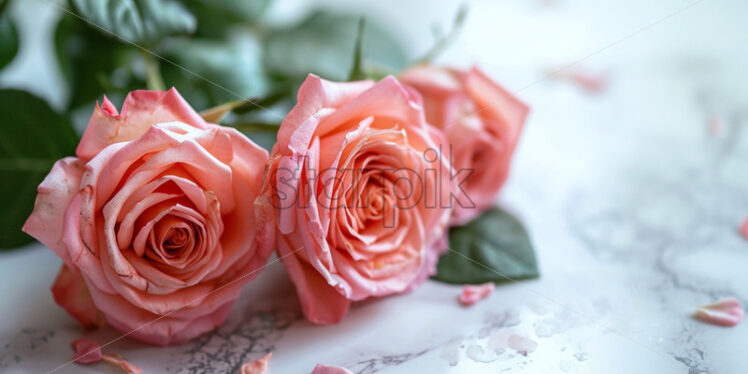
[592, 82]
[87, 351]
[726, 312]
[257, 366]
[330, 369]
[716, 126]
[120, 361]
[744, 229]
[472, 294]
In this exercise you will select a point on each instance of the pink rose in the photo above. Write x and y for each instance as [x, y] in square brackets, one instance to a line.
[482, 122]
[361, 194]
[154, 219]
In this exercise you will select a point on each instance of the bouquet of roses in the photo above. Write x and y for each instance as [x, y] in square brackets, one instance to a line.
[373, 185]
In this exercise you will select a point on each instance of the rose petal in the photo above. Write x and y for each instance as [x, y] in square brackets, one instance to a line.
[482, 122]
[54, 196]
[257, 366]
[71, 293]
[726, 312]
[321, 303]
[314, 95]
[472, 294]
[141, 110]
[744, 229]
[388, 98]
[87, 351]
[120, 361]
[330, 369]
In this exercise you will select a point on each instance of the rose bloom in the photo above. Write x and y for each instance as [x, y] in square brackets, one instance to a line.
[154, 219]
[482, 122]
[361, 193]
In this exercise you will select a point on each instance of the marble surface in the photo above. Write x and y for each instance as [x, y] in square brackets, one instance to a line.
[632, 196]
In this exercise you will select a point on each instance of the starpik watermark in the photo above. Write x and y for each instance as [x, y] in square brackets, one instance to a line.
[375, 186]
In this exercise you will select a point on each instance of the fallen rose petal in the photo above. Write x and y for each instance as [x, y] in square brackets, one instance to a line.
[472, 294]
[257, 366]
[726, 312]
[591, 81]
[330, 369]
[87, 351]
[120, 361]
[716, 126]
[744, 229]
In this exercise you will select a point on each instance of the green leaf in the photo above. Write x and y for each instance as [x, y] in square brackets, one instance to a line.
[216, 71]
[324, 44]
[32, 138]
[357, 70]
[92, 64]
[8, 36]
[137, 21]
[216, 17]
[492, 248]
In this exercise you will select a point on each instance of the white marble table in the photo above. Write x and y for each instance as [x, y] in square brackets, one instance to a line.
[632, 203]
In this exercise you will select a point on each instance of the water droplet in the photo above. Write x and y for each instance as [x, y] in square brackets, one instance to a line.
[581, 356]
[478, 354]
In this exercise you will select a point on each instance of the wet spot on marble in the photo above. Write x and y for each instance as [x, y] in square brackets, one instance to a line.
[451, 352]
[521, 344]
[479, 354]
[581, 356]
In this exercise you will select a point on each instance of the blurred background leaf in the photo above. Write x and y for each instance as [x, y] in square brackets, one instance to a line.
[223, 70]
[94, 64]
[33, 137]
[8, 35]
[215, 18]
[324, 44]
[143, 22]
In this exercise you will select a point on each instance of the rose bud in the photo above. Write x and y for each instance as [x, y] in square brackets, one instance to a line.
[154, 219]
[482, 123]
[361, 193]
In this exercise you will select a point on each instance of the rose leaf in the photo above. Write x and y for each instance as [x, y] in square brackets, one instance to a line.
[494, 247]
[32, 138]
[217, 18]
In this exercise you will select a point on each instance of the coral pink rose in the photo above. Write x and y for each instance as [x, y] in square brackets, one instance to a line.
[482, 122]
[361, 194]
[154, 219]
